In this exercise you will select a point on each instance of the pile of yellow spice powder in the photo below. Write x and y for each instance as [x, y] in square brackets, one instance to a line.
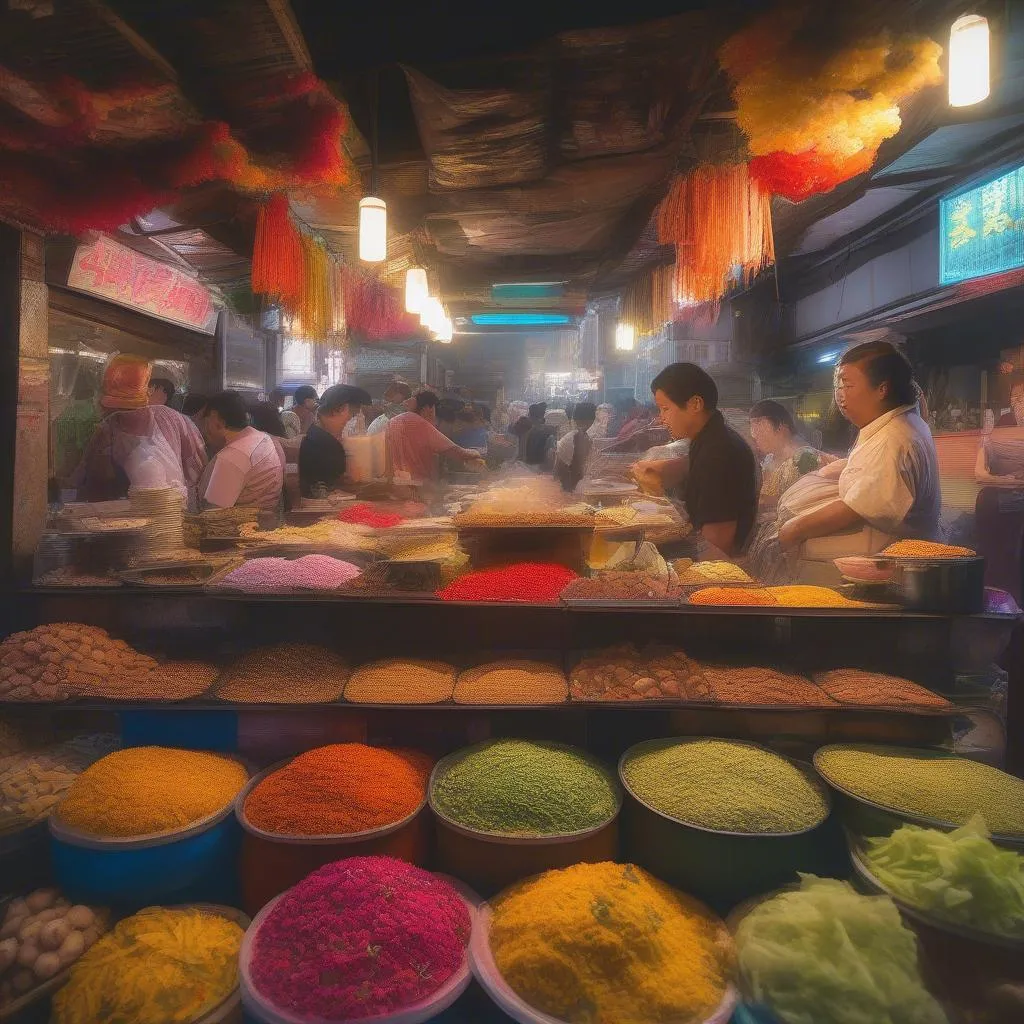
[608, 942]
[148, 790]
[156, 967]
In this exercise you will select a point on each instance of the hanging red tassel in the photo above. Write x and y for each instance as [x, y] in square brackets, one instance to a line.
[278, 258]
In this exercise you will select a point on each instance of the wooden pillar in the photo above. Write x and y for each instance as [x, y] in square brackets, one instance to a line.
[24, 398]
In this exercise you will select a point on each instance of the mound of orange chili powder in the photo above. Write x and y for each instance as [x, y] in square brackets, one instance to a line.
[338, 790]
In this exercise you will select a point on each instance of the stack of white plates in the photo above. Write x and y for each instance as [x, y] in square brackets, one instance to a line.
[165, 508]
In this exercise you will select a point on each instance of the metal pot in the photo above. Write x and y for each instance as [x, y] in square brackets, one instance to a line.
[947, 585]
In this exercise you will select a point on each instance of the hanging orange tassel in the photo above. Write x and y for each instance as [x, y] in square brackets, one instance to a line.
[720, 222]
[278, 259]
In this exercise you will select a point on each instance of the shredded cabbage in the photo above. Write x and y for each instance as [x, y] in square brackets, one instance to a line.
[824, 954]
[960, 876]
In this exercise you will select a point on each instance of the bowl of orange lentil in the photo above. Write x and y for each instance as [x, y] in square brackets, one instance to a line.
[335, 801]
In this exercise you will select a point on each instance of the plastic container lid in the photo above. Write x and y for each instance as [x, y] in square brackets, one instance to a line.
[485, 970]
[265, 1012]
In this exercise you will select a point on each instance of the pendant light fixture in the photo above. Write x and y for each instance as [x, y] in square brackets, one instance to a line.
[416, 289]
[969, 72]
[373, 212]
[432, 314]
[625, 337]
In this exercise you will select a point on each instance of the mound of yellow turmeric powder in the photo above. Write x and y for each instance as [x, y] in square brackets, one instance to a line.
[157, 967]
[146, 790]
[608, 942]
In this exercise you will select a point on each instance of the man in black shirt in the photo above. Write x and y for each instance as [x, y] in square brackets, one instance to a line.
[322, 455]
[721, 487]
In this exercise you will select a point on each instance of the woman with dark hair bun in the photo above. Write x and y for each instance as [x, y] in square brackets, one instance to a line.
[890, 481]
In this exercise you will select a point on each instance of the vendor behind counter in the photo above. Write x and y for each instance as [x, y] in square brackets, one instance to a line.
[322, 454]
[721, 485]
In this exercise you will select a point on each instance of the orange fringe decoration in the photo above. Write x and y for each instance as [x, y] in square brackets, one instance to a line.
[720, 222]
[647, 302]
[278, 258]
[314, 308]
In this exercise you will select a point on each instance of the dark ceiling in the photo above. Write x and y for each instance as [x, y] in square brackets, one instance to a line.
[360, 46]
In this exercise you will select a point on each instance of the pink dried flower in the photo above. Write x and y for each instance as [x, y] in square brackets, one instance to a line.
[358, 938]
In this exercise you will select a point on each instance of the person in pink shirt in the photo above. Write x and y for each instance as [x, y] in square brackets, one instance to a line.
[414, 443]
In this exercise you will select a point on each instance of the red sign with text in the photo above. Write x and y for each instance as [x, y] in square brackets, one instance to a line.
[114, 272]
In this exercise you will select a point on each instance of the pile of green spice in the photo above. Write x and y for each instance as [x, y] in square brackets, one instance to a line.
[524, 788]
[724, 785]
[926, 784]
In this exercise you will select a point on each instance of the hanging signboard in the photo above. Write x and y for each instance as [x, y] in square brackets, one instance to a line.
[981, 230]
[108, 270]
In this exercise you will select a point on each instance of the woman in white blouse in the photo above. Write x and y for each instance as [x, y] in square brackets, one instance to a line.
[890, 481]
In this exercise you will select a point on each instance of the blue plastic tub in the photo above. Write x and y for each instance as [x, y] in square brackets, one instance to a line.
[213, 729]
[197, 864]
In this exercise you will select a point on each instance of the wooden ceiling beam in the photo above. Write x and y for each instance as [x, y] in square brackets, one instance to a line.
[291, 33]
[141, 46]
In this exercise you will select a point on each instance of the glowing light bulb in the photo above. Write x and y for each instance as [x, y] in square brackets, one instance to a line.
[969, 78]
[373, 230]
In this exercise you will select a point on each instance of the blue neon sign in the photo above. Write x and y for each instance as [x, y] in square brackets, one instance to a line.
[981, 231]
[521, 319]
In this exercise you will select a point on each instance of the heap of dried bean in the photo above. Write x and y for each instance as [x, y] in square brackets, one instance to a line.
[758, 686]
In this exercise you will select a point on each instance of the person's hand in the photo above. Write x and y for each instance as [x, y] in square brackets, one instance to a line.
[648, 476]
[789, 535]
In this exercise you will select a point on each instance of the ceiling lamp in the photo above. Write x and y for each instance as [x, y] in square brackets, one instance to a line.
[373, 229]
[373, 212]
[969, 80]
[416, 289]
[625, 337]
[432, 314]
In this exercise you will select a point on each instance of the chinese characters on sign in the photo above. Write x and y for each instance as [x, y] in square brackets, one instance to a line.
[982, 230]
[114, 272]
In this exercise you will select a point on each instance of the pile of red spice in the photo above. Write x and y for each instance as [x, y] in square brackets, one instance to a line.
[361, 937]
[364, 514]
[338, 790]
[534, 582]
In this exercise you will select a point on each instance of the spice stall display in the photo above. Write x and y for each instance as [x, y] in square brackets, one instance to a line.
[923, 786]
[876, 689]
[959, 877]
[624, 673]
[277, 575]
[147, 791]
[691, 572]
[342, 800]
[511, 682]
[532, 582]
[722, 819]
[739, 597]
[926, 549]
[759, 686]
[360, 938]
[608, 942]
[159, 965]
[32, 782]
[823, 954]
[328, 533]
[284, 674]
[41, 936]
[508, 808]
[68, 660]
[401, 681]
[612, 586]
[149, 825]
